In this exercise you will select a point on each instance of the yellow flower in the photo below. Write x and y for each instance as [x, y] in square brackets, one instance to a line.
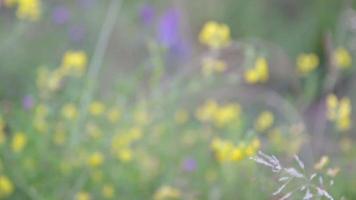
[342, 58]
[261, 67]
[75, 62]
[69, 111]
[96, 108]
[306, 63]
[6, 187]
[82, 196]
[18, 142]
[225, 150]
[251, 76]
[259, 73]
[96, 159]
[264, 121]
[167, 192]
[124, 155]
[212, 65]
[226, 114]
[237, 154]
[108, 191]
[181, 116]
[29, 10]
[215, 35]
[339, 111]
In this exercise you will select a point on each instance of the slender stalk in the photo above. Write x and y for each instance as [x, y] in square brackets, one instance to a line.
[95, 67]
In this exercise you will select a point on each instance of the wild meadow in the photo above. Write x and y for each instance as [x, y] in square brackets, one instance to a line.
[177, 100]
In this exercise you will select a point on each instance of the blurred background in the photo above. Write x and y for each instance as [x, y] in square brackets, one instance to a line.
[294, 26]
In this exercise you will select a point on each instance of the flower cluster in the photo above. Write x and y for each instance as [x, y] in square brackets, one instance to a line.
[215, 35]
[307, 63]
[26, 9]
[339, 111]
[226, 151]
[259, 73]
[219, 115]
[264, 121]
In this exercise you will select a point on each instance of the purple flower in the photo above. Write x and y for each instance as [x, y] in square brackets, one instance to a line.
[147, 13]
[27, 102]
[189, 165]
[168, 30]
[77, 33]
[60, 15]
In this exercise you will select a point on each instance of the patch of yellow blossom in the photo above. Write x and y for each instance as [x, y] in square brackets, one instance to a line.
[220, 116]
[167, 192]
[26, 9]
[108, 191]
[69, 111]
[74, 62]
[225, 151]
[6, 187]
[342, 58]
[19, 142]
[264, 121]
[82, 196]
[339, 111]
[96, 159]
[96, 108]
[212, 65]
[307, 63]
[215, 35]
[125, 154]
[259, 73]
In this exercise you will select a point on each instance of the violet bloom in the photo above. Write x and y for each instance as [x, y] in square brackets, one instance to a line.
[77, 33]
[147, 13]
[189, 165]
[169, 34]
[60, 15]
[28, 102]
[168, 30]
